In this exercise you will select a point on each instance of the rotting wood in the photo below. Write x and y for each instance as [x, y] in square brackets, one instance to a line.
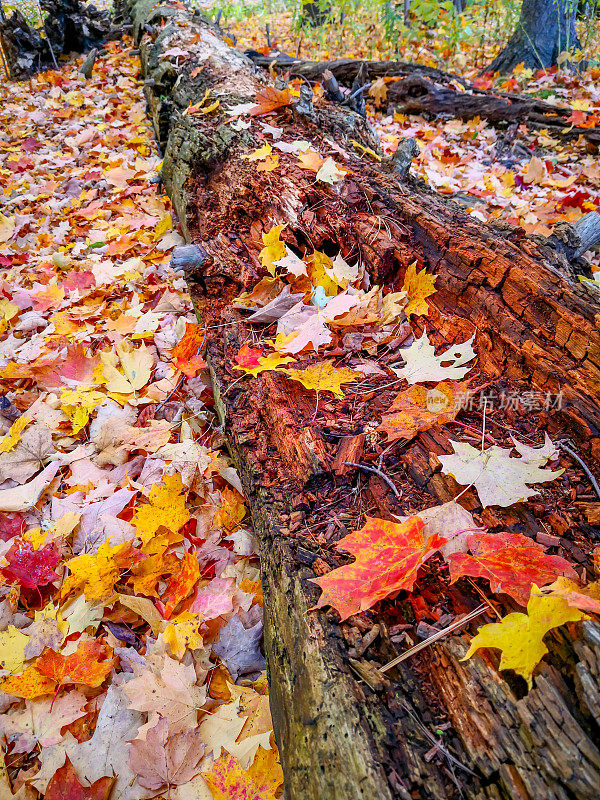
[536, 325]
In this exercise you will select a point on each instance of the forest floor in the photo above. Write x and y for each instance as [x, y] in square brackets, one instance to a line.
[131, 582]
[132, 605]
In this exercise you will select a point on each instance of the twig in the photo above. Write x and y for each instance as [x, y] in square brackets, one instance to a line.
[583, 466]
[434, 638]
[375, 471]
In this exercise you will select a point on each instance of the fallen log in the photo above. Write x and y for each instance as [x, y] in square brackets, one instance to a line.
[345, 730]
[426, 90]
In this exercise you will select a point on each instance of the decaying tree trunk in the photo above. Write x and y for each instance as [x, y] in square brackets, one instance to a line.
[346, 731]
[427, 90]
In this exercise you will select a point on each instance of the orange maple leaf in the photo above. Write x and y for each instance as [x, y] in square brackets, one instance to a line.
[182, 583]
[270, 98]
[388, 556]
[186, 353]
[88, 665]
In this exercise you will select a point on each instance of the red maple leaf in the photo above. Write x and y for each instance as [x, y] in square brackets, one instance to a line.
[31, 568]
[248, 357]
[388, 556]
[64, 785]
[11, 525]
[510, 562]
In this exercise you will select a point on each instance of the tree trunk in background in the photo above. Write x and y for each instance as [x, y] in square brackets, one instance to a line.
[545, 29]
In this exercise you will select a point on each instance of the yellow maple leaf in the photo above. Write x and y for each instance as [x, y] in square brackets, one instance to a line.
[7, 228]
[319, 264]
[8, 310]
[29, 684]
[272, 361]
[418, 286]
[164, 224]
[323, 377]
[95, 575]
[274, 248]
[231, 511]
[78, 405]
[182, 634]
[136, 365]
[13, 436]
[166, 508]
[226, 778]
[260, 154]
[520, 636]
[12, 649]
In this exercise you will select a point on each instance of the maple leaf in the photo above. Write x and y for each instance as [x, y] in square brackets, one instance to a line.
[422, 364]
[182, 634]
[182, 582]
[252, 362]
[166, 508]
[7, 228]
[78, 405]
[65, 785]
[388, 556]
[520, 636]
[29, 684]
[261, 781]
[28, 455]
[97, 574]
[136, 365]
[260, 154]
[323, 377]
[41, 721]
[378, 91]
[268, 99]
[238, 647]
[329, 172]
[274, 248]
[12, 649]
[163, 760]
[14, 434]
[231, 511]
[500, 480]
[32, 568]
[417, 286]
[169, 688]
[186, 353]
[511, 562]
[418, 409]
[89, 665]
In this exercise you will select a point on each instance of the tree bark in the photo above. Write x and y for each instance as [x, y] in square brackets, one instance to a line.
[346, 731]
[545, 29]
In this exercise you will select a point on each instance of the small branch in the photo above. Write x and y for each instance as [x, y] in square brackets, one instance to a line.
[583, 466]
[435, 638]
[375, 471]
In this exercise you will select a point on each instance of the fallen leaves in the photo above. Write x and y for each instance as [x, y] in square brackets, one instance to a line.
[323, 377]
[511, 562]
[117, 513]
[500, 479]
[520, 636]
[388, 556]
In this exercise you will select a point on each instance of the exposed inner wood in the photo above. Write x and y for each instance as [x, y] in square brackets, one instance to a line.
[344, 731]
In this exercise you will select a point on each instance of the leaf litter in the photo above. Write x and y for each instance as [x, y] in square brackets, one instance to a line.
[131, 598]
